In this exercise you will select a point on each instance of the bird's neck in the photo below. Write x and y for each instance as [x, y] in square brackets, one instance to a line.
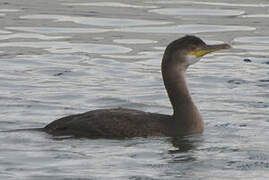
[185, 112]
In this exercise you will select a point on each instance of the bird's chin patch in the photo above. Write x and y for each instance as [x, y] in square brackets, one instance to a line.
[191, 59]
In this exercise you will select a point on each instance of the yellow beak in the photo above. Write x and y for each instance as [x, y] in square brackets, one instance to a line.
[208, 49]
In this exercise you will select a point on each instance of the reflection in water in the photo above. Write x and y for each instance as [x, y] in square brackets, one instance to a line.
[185, 146]
[186, 143]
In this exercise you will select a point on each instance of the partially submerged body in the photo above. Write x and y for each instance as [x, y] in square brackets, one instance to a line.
[112, 123]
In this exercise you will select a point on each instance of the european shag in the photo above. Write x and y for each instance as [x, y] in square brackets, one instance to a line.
[121, 123]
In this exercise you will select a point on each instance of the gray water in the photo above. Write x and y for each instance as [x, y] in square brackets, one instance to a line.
[61, 57]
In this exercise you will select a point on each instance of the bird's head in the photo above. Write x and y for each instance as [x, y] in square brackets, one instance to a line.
[189, 50]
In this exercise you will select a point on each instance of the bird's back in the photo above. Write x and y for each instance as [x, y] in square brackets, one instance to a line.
[112, 123]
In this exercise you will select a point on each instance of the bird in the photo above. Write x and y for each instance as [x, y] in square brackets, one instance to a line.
[128, 123]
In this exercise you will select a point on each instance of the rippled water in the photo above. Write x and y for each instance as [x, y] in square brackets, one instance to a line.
[66, 56]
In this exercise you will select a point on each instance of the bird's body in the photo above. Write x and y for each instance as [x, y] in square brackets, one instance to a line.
[112, 123]
[121, 123]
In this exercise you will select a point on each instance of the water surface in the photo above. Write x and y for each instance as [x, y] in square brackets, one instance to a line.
[64, 57]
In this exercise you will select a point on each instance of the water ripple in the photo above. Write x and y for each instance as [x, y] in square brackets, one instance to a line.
[30, 36]
[256, 16]
[96, 21]
[188, 28]
[58, 30]
[65, 57]
[212, 3]
[109, 4]
[4, 32]
[134, 41]
[252, 39]
[9, 10]
[66, 47]
[197, 12]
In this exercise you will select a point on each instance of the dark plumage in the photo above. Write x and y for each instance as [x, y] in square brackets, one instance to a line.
[121, 123]
[109, 123]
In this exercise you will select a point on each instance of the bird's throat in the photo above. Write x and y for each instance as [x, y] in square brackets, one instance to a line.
[177, 89]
